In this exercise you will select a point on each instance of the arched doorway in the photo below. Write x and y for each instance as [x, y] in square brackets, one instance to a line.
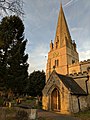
[55, 100]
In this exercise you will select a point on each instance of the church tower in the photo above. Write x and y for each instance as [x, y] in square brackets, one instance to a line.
[63, 52]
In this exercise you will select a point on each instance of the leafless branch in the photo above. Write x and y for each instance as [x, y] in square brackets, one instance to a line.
[11, 6]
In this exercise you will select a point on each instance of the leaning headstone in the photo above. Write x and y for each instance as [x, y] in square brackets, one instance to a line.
[33, 114]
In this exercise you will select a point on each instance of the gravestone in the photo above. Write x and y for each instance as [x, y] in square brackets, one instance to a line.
[33, 114]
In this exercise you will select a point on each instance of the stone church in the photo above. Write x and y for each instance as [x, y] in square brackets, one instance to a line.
[67, 88]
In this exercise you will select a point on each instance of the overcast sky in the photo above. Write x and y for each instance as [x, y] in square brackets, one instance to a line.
[40, 26]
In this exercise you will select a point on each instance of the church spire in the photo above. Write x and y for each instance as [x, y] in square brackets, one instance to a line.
[62, 31]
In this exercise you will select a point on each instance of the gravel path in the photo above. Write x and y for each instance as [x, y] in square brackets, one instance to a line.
[55, 116]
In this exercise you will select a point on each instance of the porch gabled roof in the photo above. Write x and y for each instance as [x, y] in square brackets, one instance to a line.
[72, 86]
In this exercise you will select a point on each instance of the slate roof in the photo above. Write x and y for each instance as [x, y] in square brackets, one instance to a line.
[70, 83]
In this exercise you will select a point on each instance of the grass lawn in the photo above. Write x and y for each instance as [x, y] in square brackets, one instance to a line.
[83, 115]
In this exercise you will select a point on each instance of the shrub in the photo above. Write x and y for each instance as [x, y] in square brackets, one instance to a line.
[21, 115]
[1, 101]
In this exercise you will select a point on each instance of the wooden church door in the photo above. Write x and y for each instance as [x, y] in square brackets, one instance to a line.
[55, 100]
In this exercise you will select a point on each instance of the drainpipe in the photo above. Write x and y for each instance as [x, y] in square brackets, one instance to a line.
[87, 84]
[78, 103]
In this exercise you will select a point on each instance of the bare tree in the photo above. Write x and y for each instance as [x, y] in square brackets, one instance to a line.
[11, 6]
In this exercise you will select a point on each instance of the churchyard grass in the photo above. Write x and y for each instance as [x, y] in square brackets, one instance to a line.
[83, 115]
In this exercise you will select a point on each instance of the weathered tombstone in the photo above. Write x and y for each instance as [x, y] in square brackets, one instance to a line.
[36, 102]
[9, 104]
[33, 114]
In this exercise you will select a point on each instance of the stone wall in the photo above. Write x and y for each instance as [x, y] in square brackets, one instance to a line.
[74, 108]
[78, 103]
[45, 103]
[83, 103]
[81, 79]
[79, 67]
[74, 68]
[88, 101]
[64, 95]
[84, 65]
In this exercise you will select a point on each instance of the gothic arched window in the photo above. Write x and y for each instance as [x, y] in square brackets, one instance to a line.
[56, 63]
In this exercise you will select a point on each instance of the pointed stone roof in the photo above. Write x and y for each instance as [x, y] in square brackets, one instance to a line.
[62, 30]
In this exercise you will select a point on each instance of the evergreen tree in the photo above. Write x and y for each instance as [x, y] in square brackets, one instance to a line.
[13, 58]
[36, 83]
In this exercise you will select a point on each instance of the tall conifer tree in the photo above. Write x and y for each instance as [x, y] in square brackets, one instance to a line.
[13, 57]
